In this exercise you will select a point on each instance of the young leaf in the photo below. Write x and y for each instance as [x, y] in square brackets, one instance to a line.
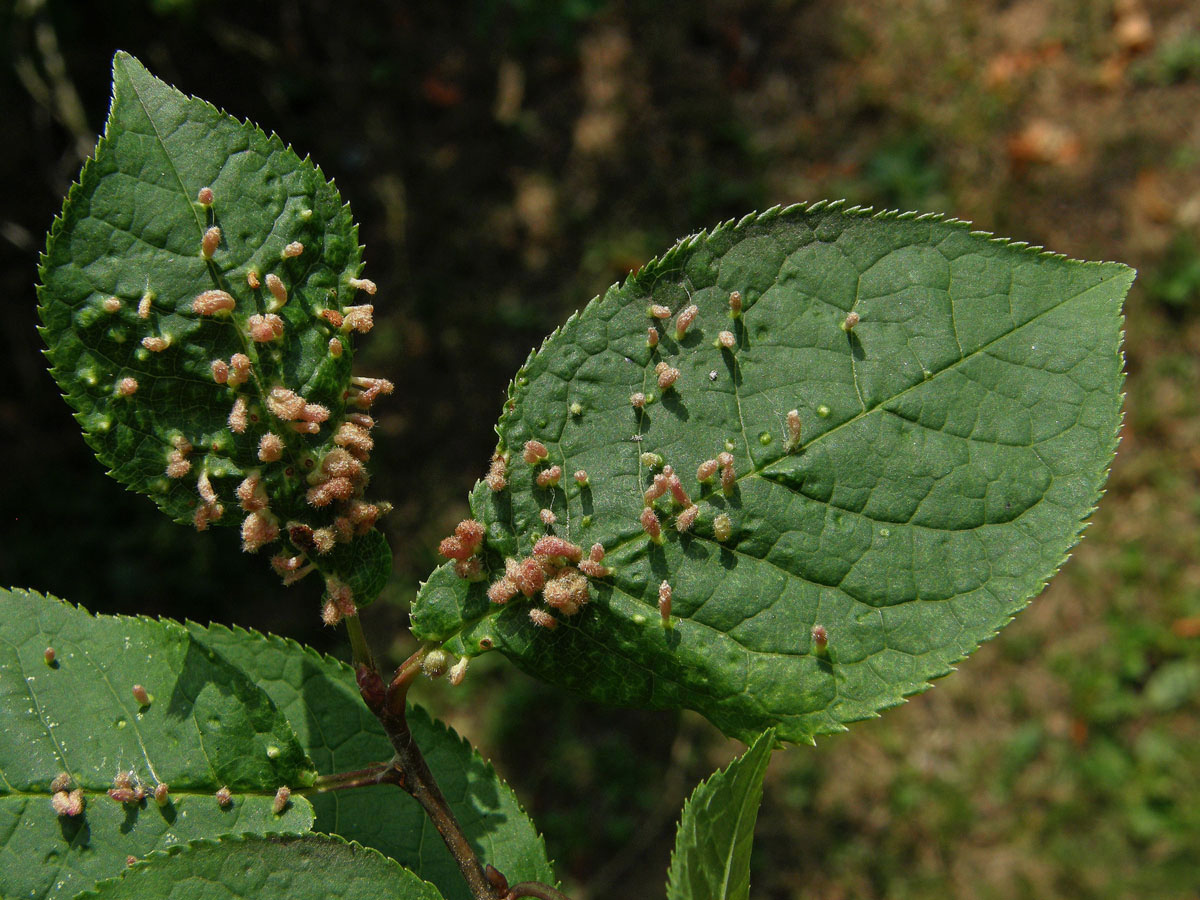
[205, 726]
[190, 292]
[902, 481]
[312, 867]
[711, 860]
[319, 696]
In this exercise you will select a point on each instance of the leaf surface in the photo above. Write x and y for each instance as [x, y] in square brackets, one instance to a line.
[123, 270]
[206, 726]
[311, 867]
[952, 445]
[319, 697]
[711, 860]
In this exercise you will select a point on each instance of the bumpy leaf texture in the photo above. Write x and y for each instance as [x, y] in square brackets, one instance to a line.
[198, 300]
[200, 725]
[918, 419]
[311, 867]
[711, 859]
[321, 701]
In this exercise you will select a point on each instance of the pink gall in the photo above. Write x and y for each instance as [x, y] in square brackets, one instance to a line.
[270, 447]
[264, 328]
[305, 427]
[454, 548]
[111, 305]
[252, 493]
[470, 569]
[278, 292]
[667, 376]
[652, 337]
[684, 321]
[497, 476]
[330, 614]
[581, 478]
[658, 311]
[549, 477]
[323, 540]
[458, 671]
[213, 303]
[355, 439]
[820, 638]
[205, 489]
[543, 619]
[529, 576]
[314, 412]
[726, 340]
[534, 452]
[206, 514]
[725, 458]
[141, 695]
[281, 801]
[49, 656]
[851, 320]
[292, 250]
[793, 429]
[252, 280]
[68, 803]
[359, 318]
[335, 348]
[332, 316]
[651, 525]
[61, 782]
[371, 389]
[547, 516]
[637, 400]
[470, 532]
[365, 285]
[549, 545]
[205, 197]
[567, 592]
[686, 519]
[258, 529]
[224, 797]
[127, 387]
[334, 489]
[503, 590]
[210, 242]
[728, 479]
[657, 488]
[239, 366]
[220, 371]
[144, 304]
[285, 404]
[706, 470]
[238, 416]
[676, 487]
[596, 553]
[664, 603]
[161, 794]
[735, 304]
[156, 344]
[594, 569]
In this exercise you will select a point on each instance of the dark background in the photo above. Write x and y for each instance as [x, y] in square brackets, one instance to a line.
[507, 160]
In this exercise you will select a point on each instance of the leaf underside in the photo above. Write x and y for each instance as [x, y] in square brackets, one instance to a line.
[206, 726]
[711, 859]
[309, 867]
[319, 697]
[124, 263]
[953, 443]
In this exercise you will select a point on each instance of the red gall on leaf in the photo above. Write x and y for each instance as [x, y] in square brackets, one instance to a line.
[667, 376]
[497, 476]
[224, 798]
[251, 493]
[111, 305]
[656, 489]
[127, 387]
[49, 656]
[470, 532]
[355, 439]
[292, 250]
[852, 319]
[651, 337]
[684, 321]
[371, 389]
[529, 576]
[210, 241]
[534, 452]
[144, 304]
[664, 603]
[567, 592]
[735, 304]
[543, 619]
[161, 794]
[239, 365]
[141, 695]
[205, 197]
[61, 782]
[550, 545]
[282, 799]
[676, 486]
[332, 316]
[335, 348]
[314, 412]
[726, 340]
[549, 477]
[658, 311]
[706, 471]
[220, 371]
[637, 400]
[581, 478]
[206, 514]
[285, 404]
[330, 614]
[547, 516]
[212, 303]
[365, 285]
[278, 292]
[454, 548]
[252, 280]
[334, 489]
[205, 489]
[820, 638]
[177, 464]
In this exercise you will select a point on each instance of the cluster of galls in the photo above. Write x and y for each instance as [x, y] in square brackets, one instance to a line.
[558, 571]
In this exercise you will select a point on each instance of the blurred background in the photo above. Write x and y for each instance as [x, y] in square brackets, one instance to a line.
[508, 160]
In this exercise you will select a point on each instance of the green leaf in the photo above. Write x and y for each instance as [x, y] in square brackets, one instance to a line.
[125, 264]
[711, 860]
[206, 726]
[312, 867]
[953, 444]
[319, 696]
